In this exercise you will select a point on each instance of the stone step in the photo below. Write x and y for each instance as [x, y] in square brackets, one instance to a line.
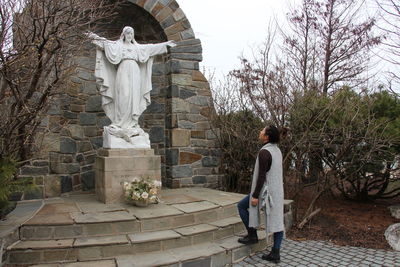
[221, 252]
[106, 247]
[129, 221]
[217, 254]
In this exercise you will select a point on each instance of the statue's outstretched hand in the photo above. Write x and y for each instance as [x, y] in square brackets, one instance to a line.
[171, 44]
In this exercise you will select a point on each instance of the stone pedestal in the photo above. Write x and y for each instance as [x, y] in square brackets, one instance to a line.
[115, 166]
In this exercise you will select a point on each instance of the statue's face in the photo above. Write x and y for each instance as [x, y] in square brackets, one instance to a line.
[129, 35]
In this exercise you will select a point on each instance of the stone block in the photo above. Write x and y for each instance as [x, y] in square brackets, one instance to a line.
[64, 168]
[126, 227]
[187, 56]
[116, 250]
[182, 171]
[91, 131]
[175, 28]
[172, 156]
[240, 253]
[156, 134]
[93, 104]
[203, 238]
[89, 88]
[24, 257]
[178, 14]
[149, 5]
[195, 229]
[52, 186]
[66, 184]
[69, 231]
[89, 253]
[164, 13]
[198, 134]
[156, 224]
[187, 34]
[186, 124]
[153, 236]
[224, 233]
[206, 216]
[76, 131]
[67, 145]
[97, 229]
[155, 107]
[100, 241]
[188, 158]
[87, 119]
[185, 94]
[181, 79]
[187, 49]
[167, 22]
[176, 243]
[88, 180]
[180, 138]
[34, 171]
[183, 220]
[210, 161]
[179, 106]
[199, 179]
[206, 262]
[147, 247]
[84, 146]
[97, 142]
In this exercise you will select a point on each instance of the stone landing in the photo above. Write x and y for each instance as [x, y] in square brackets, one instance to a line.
[115, 166]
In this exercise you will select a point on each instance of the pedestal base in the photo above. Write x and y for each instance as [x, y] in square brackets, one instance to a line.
[115, 166]
[122, 138]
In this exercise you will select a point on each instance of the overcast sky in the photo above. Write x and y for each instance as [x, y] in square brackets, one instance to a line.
[227, 28]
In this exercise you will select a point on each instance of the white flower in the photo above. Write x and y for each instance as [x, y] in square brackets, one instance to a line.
[157, 183]
[145, 195]
[136, 195]
[135, 180]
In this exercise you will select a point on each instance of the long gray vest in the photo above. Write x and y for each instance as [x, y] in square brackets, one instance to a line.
[271, 195]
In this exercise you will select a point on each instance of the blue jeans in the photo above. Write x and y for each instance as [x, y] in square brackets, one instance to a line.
[278, 237]
[243, 208]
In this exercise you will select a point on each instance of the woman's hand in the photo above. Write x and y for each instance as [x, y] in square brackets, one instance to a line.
[254, 201]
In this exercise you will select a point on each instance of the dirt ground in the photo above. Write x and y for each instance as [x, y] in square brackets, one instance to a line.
[348, 223]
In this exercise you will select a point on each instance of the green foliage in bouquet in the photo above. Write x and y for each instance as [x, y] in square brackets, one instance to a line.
[142, 189]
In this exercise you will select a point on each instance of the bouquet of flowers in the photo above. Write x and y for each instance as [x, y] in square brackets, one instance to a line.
[142, 191]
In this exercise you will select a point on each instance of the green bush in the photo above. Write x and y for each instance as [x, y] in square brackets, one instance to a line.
[238, 140]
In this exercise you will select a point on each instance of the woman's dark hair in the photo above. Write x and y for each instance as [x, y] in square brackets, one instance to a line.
[273, 134]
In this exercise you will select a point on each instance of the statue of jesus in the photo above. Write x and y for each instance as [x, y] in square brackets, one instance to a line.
[123, 71]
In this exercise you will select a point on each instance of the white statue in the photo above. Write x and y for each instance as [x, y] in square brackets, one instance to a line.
[123, 71]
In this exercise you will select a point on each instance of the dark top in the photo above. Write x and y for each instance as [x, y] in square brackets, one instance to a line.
[264, 164]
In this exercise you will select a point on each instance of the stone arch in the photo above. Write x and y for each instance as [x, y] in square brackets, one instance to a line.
[177, 120]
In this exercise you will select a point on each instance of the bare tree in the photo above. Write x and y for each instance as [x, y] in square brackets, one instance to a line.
[39, 40]
[390, 24]
[329, 43]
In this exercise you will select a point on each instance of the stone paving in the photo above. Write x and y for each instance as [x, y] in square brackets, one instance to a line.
[321, 253]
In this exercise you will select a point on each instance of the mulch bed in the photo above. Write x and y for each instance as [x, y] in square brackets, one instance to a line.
[350, 223]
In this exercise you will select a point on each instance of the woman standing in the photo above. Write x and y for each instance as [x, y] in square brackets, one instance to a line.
[266, 194]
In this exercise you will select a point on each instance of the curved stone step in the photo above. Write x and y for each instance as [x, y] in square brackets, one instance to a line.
[217, 254]
[132, 220]
[105, 247]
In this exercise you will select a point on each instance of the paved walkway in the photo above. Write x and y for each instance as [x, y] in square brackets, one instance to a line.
[320, 253]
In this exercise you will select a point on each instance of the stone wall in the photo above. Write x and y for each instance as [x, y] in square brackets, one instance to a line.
[177, 120]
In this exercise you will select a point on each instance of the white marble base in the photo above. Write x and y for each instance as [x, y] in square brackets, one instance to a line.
[121, 138]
